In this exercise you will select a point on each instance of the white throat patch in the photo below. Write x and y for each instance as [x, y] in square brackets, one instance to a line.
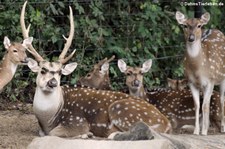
[13, 68]
[193, 49]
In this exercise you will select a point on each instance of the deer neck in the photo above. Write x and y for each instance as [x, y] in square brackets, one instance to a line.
[7, 71]
[140, 92]
[194, 49]
[46, 106]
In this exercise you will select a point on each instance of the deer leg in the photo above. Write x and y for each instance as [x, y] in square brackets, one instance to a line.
[195, 93]
[222, 92]
[205, 107]
[124, 113]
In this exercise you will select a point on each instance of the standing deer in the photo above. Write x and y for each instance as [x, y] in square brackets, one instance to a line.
[14, 56]
[68, 111]
[98, 78]
[204, 64]
[176, 105]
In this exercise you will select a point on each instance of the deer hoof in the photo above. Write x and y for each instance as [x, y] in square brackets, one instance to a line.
[41, 133]
[196, 132]
[222, 128]
[87, 135]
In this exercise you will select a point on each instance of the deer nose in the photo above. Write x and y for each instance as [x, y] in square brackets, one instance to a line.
[191, 38]
[25, 60]
[136, 83]
[52, 83]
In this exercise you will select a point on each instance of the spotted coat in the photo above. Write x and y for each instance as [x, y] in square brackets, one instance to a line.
[104, 112]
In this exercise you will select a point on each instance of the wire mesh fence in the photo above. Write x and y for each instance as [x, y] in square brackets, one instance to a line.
[132, 30]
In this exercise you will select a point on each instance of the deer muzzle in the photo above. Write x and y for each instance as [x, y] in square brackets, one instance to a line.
[52, 83]
[136, 83]
[191, 38]
[25, 61]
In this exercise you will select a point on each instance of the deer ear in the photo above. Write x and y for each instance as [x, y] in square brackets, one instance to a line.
[33, 65]
[69, 68]
[27, 41]
[104, 68]
[171, 83]
[122, 65]
[6, 42]
[180, 17]
[146, 66]
[205, 18]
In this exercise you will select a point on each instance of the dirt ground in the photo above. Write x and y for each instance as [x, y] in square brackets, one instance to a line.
[18, 127]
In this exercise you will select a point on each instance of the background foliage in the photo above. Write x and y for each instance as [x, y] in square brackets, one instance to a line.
[132, 30]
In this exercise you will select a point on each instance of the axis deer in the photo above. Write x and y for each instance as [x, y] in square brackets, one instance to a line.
[98, 78]
[134, 77]
[69, 111]
[176, 105]
[204, 64]
[14, 56]
[177, 84]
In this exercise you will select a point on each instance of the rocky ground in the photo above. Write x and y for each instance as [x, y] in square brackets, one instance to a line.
[18, 127]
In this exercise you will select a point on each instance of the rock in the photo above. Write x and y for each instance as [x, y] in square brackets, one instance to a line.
[139, 131]
[62, 143]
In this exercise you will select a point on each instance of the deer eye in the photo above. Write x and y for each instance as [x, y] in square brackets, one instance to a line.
[129, 73]
[88, 75]
[185, 26]
[199, 26]
[43, 71]
[15, 50]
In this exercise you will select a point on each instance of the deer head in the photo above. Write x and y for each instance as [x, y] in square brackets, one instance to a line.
[98, 78]
[14, 56]
[16, 51]
[49, 73]
[192, 27]
[177, 84]
[134, 76]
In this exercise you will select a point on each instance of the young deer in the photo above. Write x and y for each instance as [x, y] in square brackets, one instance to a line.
[204, 64]
[14, 56]
[134, 77]
[68, 111]
[177, 84]
[98, 78]
[176, 105]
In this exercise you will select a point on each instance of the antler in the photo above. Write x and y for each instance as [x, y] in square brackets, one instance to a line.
[105, 60]
[112, 58]
[68, 41]
[25, 32]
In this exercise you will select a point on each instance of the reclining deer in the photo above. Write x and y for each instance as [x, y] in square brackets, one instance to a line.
[15, 56]
[204, 65]
[68, 111]
[98, 78]
[177, 105]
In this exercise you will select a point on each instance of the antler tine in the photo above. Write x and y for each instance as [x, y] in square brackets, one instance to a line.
[112, 58]
[62, 58]
[105, 60]
[25, 32]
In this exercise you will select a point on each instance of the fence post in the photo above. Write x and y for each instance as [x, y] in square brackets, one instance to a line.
[198, 8]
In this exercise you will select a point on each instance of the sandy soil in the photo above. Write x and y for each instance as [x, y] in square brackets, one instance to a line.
[17, 129]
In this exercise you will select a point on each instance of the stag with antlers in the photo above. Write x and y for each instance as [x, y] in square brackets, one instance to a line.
[68, 111]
